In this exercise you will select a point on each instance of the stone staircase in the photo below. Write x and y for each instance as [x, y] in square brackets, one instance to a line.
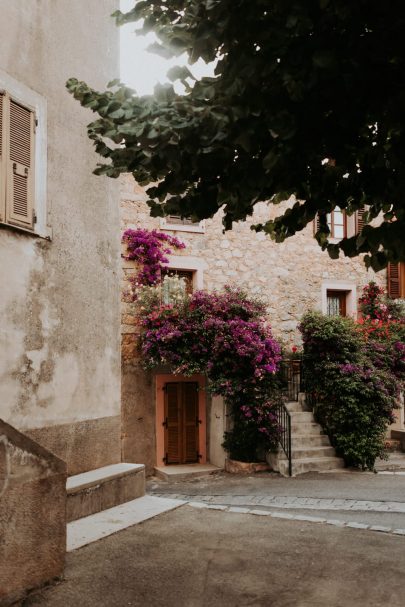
[311, 450]
[97, 490]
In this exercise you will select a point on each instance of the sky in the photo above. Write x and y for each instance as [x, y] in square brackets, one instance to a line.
[142, 70]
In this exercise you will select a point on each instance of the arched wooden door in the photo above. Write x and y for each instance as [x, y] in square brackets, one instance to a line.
[181, 423]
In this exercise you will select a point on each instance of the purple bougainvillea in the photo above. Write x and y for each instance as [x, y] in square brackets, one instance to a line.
[224, 336]
[149, 248]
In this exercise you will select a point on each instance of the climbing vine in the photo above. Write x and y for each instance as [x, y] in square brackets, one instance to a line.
[149, 248]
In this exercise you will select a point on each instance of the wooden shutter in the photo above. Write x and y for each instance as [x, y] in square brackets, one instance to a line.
[20, 166]
[360, 218]
[190, 422]
[2, 162]
[394, 280]
[173, 423]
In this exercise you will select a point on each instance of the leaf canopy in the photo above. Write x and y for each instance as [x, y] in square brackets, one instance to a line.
[308, 99]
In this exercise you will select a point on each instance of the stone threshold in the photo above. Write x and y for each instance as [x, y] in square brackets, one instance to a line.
[183, 472]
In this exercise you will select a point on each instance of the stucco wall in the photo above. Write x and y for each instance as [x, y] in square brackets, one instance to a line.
[59, 302]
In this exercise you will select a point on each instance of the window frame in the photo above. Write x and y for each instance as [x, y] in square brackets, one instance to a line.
[349, 288]
[36, 103]
[331, 225]
[342, 297]
[197, 227]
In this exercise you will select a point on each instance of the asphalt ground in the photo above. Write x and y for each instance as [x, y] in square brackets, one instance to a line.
[207, 558]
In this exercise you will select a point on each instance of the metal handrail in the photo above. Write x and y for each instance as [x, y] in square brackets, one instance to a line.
[291, 377]
[284, 422]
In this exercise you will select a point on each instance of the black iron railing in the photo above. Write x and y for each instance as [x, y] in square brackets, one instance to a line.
[284, 422]
[291, 376]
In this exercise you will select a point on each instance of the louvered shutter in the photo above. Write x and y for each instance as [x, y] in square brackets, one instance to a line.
[190, 422]
[20, 166]
[2, 163]
[173, 424]
[394, 284]
[360, 219]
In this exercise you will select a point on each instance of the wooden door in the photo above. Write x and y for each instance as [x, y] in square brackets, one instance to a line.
[181, 423]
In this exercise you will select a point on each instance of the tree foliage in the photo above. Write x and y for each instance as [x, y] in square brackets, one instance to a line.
[308, 99]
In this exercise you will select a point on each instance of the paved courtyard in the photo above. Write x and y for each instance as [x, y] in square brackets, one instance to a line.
[205, 558]
[260, 541]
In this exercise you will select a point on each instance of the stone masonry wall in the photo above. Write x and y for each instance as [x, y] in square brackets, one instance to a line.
[288, 276]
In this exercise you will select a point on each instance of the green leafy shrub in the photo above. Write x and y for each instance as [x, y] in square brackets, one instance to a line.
[356, 377]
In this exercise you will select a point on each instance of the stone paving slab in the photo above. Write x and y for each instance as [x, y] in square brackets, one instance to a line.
[301, 518]
[294, 502]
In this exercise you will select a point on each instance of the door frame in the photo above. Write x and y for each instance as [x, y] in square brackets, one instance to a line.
[161, 380]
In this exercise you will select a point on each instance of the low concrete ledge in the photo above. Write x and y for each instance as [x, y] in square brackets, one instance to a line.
[32, 515]
[103, 488]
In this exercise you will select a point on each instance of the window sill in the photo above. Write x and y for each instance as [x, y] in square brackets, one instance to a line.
[45, 233]
[173, 227]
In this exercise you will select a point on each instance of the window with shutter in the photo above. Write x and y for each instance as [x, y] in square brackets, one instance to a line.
[396, 280]
[23, 158]
[360, 219]
[337, 223]
[2, 163]
[20, 166]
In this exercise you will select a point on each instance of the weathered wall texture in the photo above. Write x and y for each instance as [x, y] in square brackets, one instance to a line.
[288, 276]
[32, 515]
[59, 302]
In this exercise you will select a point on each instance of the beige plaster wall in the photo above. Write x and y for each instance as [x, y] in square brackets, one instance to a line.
[59, 301]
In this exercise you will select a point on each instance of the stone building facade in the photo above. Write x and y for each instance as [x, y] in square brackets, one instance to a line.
[292, 277]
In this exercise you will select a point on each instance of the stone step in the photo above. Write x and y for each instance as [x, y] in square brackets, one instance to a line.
[311, 464]
[310, 452]
[293, 406]
[103, 488]
[302, 416]
[305, 427]
[301, 441]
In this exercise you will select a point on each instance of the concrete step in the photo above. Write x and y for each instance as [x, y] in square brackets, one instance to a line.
[103, 488]
[310, 452]
[301, 441]
[311, 464]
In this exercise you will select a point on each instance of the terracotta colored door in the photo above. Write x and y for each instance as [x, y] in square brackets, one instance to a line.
[181, 423]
